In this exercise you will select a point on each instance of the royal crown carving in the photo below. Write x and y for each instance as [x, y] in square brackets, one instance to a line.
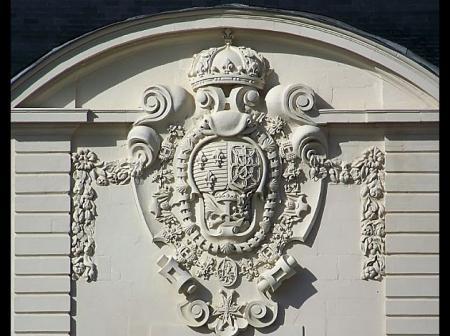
[228, 65]
[228, 188]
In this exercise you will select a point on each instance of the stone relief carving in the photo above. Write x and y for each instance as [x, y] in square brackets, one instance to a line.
[228, 188]
[87, 169]
[367, 170]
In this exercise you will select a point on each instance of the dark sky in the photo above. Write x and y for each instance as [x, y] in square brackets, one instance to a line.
[39, 26]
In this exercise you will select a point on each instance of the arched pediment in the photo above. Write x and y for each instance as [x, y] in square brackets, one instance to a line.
[109, 68]
[278, 169]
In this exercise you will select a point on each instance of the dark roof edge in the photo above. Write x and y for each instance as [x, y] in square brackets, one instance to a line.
[317, 17]
[339, 24]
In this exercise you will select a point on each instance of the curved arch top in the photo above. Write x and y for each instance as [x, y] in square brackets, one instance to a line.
[129, 32]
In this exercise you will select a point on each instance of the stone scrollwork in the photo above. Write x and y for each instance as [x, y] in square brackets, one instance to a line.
[143, 146]
[194, 313]
[159, 101]
[293, 101]
[228, 189]
[261, 313]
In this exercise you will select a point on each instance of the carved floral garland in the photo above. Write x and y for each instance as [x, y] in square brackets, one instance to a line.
[368, 170]
[87, 169]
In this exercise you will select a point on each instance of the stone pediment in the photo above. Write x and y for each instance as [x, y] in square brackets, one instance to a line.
[231, 147]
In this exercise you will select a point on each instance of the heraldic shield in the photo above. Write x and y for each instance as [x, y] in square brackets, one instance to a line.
[226, 175]
[227, 188]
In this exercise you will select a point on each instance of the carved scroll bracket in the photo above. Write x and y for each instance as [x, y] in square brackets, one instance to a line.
[291, 102]
[143, 146]
[159, 102]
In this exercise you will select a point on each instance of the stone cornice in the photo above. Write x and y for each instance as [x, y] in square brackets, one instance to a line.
[324, 117]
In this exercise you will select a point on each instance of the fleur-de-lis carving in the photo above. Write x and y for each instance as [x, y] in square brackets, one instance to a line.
[210, 179]
[201, 160]
[219, 157]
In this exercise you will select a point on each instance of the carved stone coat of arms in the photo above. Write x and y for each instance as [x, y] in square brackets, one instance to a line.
[228, 187]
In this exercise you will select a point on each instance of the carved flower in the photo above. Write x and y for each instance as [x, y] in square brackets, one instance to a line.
[373, 268]
[370, 272]
[356, 175]
[78, 268]
[375, 189]
[345, 176]
[374, 158]
[207, 268]
[367, 230]
[176, 130]
[372, 245]
[248, 269]
[275, 126]
[380, 229]
[229, 315]
[84, 159]
[371, 161]
[172, 233]
[77, 246]
[102, 180]
[118, 173]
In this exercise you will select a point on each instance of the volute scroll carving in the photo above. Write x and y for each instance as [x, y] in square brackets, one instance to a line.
[159, 101]
[291, 102]
[143, 146]
[229, 188]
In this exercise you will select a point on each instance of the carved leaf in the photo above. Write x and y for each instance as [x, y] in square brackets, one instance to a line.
[364, 172]
[358, 162]
[381, 210]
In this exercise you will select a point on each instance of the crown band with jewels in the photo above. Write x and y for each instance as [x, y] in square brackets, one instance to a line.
[228, 65]
[227, 195]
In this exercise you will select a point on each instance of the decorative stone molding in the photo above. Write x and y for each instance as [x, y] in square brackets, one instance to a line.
[159, 101]
[228, 65]
[143, 145]
[226, 192]
[367, 170]
[229, 188]
[292, 101]
[87, 170]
